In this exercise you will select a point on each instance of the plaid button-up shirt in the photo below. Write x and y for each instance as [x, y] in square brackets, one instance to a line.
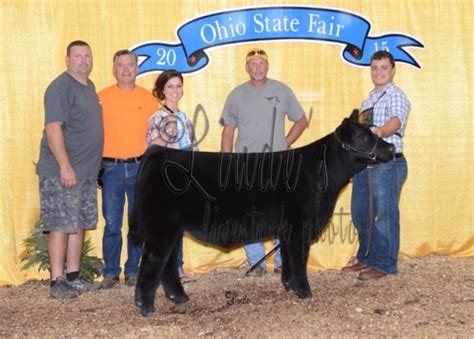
[390, 102]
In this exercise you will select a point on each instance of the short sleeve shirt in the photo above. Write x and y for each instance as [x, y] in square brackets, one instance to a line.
[259, 113]
[177, 129]
[77, 106]
[391, 102]
[126, 115]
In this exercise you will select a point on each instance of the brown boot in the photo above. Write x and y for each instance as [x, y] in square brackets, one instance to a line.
[371, 273]
[353, 268]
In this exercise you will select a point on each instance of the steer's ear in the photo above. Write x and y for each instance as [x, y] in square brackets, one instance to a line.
[355, 115]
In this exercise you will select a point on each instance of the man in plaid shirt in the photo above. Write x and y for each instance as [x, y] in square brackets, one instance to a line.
[379, 244]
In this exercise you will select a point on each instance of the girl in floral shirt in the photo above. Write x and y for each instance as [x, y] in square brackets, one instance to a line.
[170, 127]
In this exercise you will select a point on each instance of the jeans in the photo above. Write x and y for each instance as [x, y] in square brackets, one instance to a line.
[119, 180]
[387, 181]
[256, 251]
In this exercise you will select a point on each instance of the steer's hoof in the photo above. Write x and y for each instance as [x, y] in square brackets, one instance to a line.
[301, 289]
[138, 302]
[177, 299]
[147, 311]
[304, 294]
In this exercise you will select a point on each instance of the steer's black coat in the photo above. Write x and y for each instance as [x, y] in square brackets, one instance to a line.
[229, 198]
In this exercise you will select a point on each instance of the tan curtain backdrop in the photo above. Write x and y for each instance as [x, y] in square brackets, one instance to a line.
[437, 199]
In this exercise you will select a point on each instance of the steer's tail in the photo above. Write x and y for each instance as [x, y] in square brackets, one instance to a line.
[135, 229]
[135, 232]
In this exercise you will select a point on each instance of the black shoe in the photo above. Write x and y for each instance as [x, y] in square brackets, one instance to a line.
[81, 285]
[110, 281]
[130, 280]
[62, 290]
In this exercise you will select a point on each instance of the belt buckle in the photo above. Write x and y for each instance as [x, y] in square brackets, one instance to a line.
[131, 160]
[124, 160]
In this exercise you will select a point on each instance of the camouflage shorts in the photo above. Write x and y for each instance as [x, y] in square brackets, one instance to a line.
[68, 209]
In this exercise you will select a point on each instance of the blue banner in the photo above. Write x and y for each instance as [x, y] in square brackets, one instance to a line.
[271, 23]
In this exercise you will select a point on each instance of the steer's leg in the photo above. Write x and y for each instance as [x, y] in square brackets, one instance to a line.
[154, 258]
[298, 255]
[170, 279]
[285, 268]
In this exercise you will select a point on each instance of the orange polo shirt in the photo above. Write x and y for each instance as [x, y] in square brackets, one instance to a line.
[125, 115]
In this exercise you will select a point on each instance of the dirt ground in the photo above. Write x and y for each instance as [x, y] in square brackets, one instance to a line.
[431, 297]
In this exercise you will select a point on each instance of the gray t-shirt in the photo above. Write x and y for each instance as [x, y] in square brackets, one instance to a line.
[78, 107]
[259, 115]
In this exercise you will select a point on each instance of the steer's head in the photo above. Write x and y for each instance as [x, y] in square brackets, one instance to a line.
[361, 142]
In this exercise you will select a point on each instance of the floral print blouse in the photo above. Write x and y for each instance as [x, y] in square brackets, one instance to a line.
[175, 129]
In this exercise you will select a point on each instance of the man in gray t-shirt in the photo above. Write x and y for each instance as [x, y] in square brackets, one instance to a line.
[257, 109]
[70, 158]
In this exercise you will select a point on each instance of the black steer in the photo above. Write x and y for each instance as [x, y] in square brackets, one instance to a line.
[230, 198]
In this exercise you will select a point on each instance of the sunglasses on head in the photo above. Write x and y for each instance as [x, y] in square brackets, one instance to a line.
[258, 51]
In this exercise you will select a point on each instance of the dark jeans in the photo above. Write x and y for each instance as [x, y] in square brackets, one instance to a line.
[387, 182]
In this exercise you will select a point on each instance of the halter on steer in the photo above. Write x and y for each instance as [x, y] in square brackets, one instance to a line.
[370, 155]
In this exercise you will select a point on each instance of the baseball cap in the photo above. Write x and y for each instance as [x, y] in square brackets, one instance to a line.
[257, 52]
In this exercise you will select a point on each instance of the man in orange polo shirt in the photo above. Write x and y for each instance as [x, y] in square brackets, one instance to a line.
[126, 109]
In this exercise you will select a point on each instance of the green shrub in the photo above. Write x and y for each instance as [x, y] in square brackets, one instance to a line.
[37, 254]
